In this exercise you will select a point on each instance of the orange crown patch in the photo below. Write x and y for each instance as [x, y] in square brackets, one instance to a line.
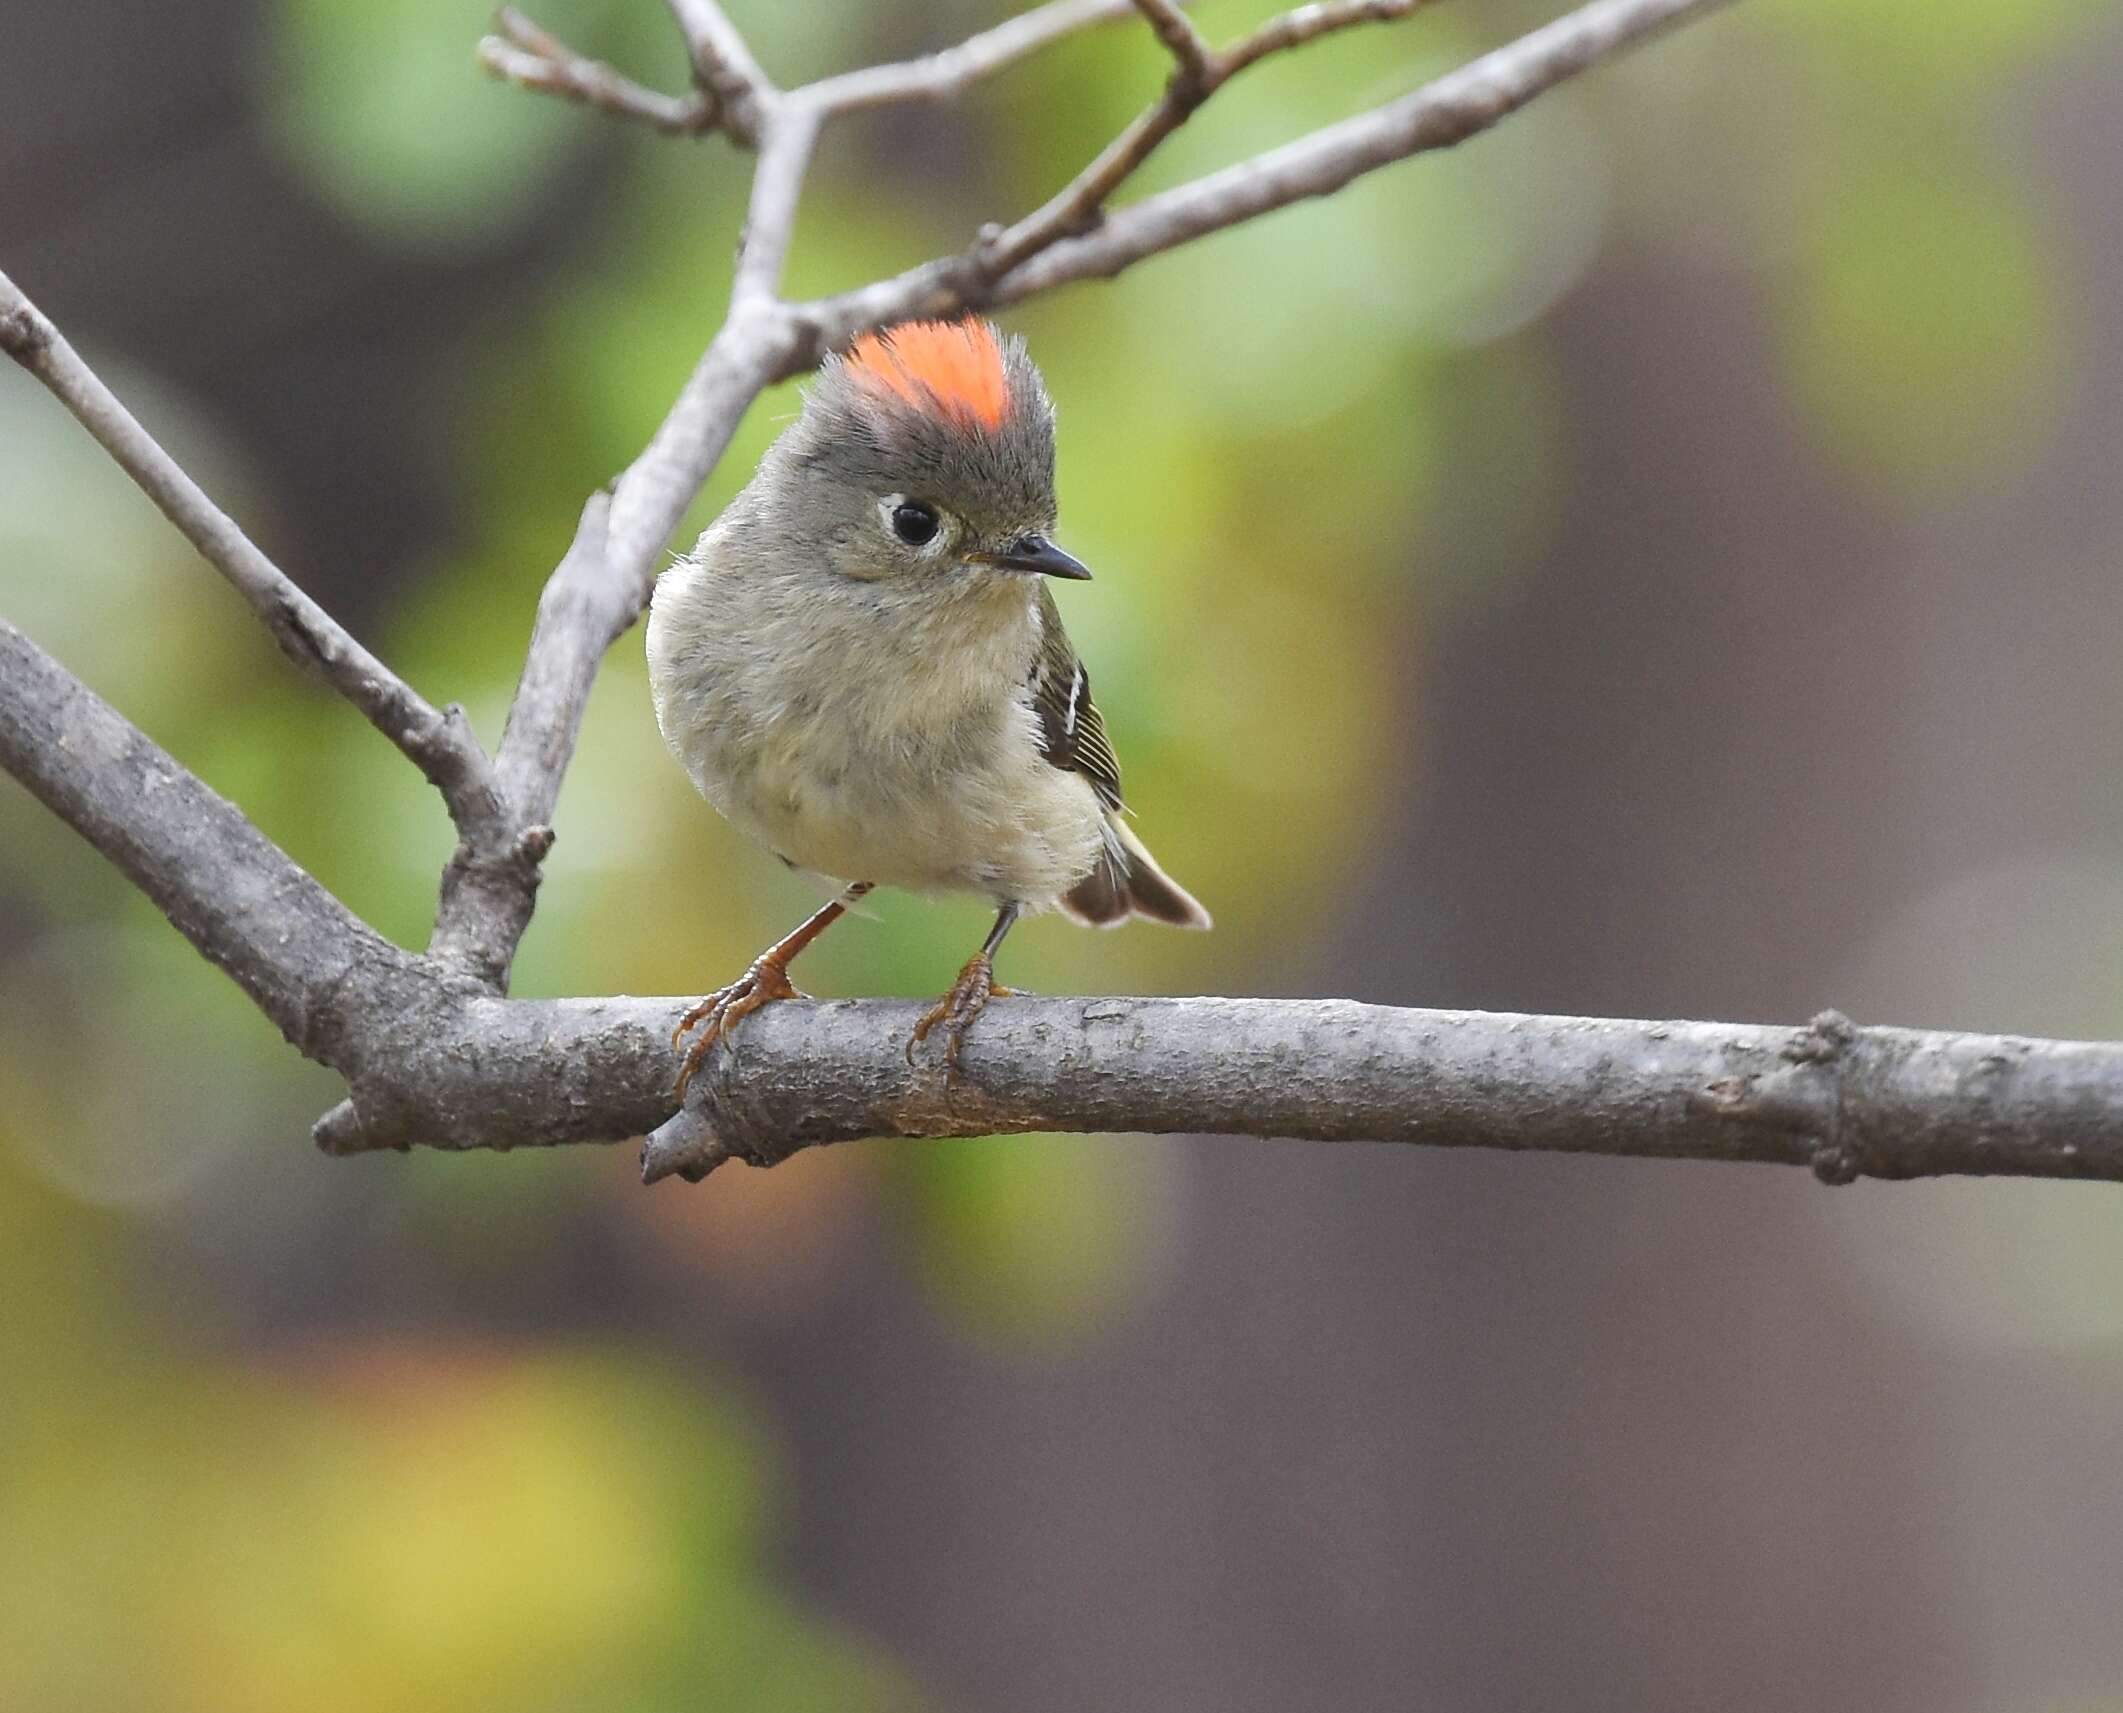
[951, 366]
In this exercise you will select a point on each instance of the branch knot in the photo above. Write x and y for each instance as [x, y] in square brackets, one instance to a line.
[23, 332]
[1826, 1043]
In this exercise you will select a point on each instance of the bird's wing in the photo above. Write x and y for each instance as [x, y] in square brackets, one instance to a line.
[1071, 734]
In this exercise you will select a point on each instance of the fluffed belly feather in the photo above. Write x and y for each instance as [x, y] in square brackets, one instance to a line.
[867, 748]
[972, 806]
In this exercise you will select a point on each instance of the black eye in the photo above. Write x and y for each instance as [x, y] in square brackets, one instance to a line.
[915, 523]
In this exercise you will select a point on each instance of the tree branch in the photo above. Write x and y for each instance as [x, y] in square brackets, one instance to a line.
[436, 1061]
[1446, 111]
[950, 71]
[532, 57]
[1200, 74]
[306, 960]
[786, 138]
[432, 1052]
[523, 53]
[724, 67]
[1848, 1102]
[1190, 54]
[439, 743]
[597, 592]
[1306, 23]
[490, 888]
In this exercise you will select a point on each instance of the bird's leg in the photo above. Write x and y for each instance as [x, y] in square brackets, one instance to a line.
[767, 980]
[968, 997]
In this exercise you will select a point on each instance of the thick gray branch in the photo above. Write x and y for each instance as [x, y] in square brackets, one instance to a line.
[306, 960]
[440, 744]
[1887, 1103]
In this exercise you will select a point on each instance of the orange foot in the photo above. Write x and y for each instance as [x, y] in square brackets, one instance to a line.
[957, 1009]
[762, 984]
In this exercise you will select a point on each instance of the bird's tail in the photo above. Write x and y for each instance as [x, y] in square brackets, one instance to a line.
[1127, 882]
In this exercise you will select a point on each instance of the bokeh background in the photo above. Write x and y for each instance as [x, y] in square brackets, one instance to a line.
[1658, 559]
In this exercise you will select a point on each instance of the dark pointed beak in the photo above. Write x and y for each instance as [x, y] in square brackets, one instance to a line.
[1038, 555]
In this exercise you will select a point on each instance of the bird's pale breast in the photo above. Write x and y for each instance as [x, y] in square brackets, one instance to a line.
[865, 742]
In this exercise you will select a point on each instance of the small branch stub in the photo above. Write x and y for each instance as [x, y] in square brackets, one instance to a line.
[24, 333]
[1827, 1045]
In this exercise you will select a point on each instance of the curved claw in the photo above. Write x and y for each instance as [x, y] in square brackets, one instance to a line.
[762, 984]
[957, 1010]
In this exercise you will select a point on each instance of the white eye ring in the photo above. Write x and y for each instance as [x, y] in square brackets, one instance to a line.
[902, 514]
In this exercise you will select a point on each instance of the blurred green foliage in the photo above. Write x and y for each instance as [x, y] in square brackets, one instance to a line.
[379, 107]
[1254, 436]
[393, 1524]
[1923, 329]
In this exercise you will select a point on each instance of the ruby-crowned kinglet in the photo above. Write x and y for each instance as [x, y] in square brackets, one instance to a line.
[861, 665]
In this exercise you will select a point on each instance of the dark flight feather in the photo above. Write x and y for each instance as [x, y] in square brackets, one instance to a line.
[1126, 879]
[1071, 734]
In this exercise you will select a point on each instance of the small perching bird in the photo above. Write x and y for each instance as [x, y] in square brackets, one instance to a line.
[862, 667]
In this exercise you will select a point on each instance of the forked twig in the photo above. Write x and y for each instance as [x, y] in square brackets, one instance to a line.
[531, 57]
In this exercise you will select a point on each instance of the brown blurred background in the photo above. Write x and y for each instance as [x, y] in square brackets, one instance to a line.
[1659, 559]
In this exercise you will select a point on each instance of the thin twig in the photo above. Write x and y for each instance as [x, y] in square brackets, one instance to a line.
[1199, 75]
[439, 743]
[602, 585]
[785, 145]
[1447, 111]
[724, 67]
[596, 593]
[531, 57]
[525, 53]
[949, 71]
[1190, 54]
[1307, 23]
[1443, 112]
[490, 890]
[313, 967]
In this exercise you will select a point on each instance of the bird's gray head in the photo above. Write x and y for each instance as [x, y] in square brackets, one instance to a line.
[925, 454]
